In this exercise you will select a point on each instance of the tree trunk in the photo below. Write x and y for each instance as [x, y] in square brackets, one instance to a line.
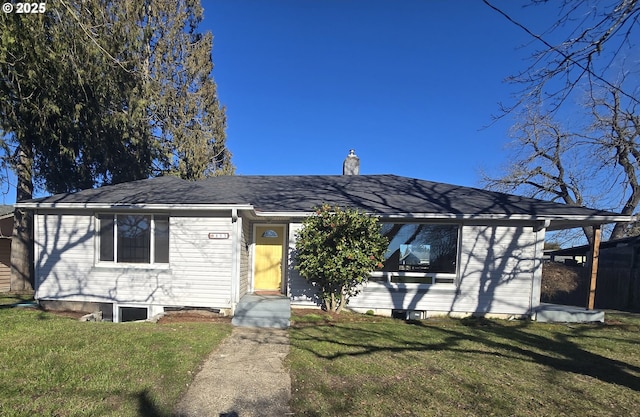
[341, 305]
[342, 300]
[620, 229]
[589, 234]
[22, 243]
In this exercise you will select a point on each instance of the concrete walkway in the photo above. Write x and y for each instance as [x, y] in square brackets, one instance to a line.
[243, 377]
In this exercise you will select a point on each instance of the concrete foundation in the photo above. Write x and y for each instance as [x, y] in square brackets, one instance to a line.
[86, 307]
[427, 314]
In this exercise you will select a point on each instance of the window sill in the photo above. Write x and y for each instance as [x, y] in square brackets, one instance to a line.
[384, 281]
[412, 279]
[410, 287]
[128, 266]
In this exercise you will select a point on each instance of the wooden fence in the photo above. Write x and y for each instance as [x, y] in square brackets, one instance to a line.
[618, 285]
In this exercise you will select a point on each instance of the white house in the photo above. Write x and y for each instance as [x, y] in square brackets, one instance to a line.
[135, 249]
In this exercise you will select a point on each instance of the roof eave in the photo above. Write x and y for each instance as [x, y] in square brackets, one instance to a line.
[557, 220]
[570, 222]
[132, 206]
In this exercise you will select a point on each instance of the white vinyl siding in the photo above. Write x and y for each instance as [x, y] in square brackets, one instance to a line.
[64, 257]
[495, 276]
[497, 269]
[198, 273]
[299, 290]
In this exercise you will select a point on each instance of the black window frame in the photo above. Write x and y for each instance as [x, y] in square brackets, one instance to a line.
[147, 249]
[424, 271]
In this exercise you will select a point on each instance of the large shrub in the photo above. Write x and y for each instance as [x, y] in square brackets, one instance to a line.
[336, 251]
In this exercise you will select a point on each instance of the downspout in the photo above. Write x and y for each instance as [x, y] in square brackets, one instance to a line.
[235, 257]
[36, 254]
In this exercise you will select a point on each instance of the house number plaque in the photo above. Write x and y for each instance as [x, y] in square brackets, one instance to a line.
[218, 235]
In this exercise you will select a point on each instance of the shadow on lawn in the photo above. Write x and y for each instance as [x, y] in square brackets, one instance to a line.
[147, 408]
[556, 351]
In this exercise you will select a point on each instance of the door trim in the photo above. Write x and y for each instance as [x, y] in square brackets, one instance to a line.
[283, 278]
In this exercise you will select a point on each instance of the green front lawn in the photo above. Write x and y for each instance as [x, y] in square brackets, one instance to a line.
[358, 365]
[56, 366]
[352, 365]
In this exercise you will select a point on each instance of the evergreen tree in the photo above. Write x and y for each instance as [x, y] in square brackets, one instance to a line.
[184, 109]
[100, 92]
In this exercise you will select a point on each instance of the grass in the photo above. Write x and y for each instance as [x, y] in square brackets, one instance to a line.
[355, 365]
[359, 365]
[57, 366]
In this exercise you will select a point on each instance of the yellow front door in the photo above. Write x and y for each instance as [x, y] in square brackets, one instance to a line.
[268, 258]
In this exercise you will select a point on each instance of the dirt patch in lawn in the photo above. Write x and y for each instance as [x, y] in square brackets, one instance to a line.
[199, 316]
[304, 317]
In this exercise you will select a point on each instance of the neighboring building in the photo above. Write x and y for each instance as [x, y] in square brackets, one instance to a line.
[135, 249]
[6, 231]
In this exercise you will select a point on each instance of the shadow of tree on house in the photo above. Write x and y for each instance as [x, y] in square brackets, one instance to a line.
[67, 267]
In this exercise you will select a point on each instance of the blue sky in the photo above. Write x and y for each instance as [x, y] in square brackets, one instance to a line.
[410, 85]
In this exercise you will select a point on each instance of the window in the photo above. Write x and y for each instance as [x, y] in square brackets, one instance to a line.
[421, 253]
[161, 237]
[132, 314]
[132, 238]
[106, 238]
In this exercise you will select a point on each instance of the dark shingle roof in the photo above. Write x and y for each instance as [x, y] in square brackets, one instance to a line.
[160, 190]
[380, 194]
[5, 209]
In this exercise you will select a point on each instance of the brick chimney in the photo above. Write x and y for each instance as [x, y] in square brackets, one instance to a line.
[351, 165]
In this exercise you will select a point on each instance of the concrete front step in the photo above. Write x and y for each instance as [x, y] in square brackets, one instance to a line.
[271, 311]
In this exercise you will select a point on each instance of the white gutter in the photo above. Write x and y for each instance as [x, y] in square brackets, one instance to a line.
[404, 216]
[284, 213]
[450, 216]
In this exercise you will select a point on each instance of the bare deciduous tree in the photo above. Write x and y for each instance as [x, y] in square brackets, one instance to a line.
[595, 37]
[589, 53]
[544, 163]
[615, 133]
[598, 165]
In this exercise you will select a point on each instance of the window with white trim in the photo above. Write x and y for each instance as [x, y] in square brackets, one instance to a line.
[133, 238]
[420, 253]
